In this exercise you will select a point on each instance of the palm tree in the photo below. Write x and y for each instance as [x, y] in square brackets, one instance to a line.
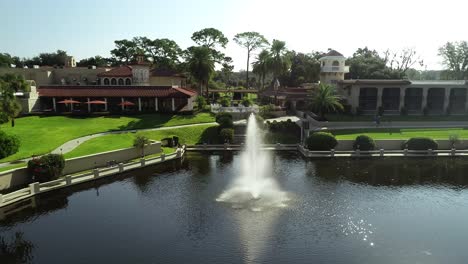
[10, 107]
[141, 142]
[280, 62]
[326, 100]
[262, 66]
[201, 65]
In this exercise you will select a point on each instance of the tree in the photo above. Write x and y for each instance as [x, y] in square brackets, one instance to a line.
[251, 41]
[280, 61]
[227, 69]
[97, 61]
[164, 53]
[18, 250]
[210, 37]
[10, 106]
[6, 60]
[261, 67]
[368, 64]
[125, 50]
[400, 62]
[325, 100]
[57, 58]
[141, 142]
[305, 68]
[455, 58]
[201, 65]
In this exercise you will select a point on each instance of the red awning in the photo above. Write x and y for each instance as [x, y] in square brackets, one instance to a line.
[126, 103]
[96, 102]
[68, 101]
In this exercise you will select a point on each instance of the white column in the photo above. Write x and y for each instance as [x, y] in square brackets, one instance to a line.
[139, 104]
[466, 101]
[123, 107]
[71, 105]
[173, 105]
[89, 106]
[54, 104]
[424, 97]
[156, 104]
[379, 97]
[402, 98]
[446, 99]
[105, 106]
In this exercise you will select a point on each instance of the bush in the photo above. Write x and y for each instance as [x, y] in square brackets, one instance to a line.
[46, 168]
[266, 111]
[321, 141]
[224, 120]
[364, 142]
[226, 135]
[9, 144]
[247, 101]
[420, 143]
[225, 101]
[201, 102]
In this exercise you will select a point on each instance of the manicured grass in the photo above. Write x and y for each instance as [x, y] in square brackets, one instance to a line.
[349, 118]
[14, 166]
[40, 135]
[394, 133]
[187, 135]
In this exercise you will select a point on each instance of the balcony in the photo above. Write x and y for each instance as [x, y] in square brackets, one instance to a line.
[344, 69]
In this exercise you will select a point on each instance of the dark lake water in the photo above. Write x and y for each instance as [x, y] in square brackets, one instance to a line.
[341, 211]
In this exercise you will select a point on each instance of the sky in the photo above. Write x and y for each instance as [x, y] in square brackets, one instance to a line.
[86, 28]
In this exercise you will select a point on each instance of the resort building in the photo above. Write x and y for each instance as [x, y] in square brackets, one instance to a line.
[135, 88]
[368, 96]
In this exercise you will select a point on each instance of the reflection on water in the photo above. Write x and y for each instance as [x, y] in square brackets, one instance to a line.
[341, 211]
[16, 249]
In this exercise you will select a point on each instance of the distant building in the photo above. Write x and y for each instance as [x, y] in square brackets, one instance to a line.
[133, 87]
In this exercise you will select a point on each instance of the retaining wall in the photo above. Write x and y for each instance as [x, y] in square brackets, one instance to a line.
[18, 177]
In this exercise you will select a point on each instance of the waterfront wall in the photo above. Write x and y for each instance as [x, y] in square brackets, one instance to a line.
[18, 177]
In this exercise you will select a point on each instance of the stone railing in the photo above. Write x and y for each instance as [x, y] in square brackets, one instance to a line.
[70, 180]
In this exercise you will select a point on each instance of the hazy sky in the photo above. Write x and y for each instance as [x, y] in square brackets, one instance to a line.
[88, 27]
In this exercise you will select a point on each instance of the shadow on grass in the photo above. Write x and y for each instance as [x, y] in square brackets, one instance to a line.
[210, 136]
[367, 131]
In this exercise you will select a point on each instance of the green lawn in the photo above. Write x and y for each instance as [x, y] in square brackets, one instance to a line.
[350, 118]
[394, 133]
[13, 166]
[188, 135]
[40, 135]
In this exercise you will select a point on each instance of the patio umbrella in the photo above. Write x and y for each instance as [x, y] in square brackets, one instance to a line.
[67, 101]
[96, 102]
[126, 103]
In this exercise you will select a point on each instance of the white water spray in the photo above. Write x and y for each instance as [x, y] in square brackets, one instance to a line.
[254, 188]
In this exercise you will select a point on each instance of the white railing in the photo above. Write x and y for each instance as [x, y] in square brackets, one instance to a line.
[216, 108]
[335, 69]
[69, 180]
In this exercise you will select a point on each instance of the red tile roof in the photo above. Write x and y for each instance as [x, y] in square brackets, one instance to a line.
[115, 91]
[122, 71]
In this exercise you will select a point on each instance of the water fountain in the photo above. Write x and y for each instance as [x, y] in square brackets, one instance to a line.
[255, 187]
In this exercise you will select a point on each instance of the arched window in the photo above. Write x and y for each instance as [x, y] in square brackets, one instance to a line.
[113, 81]
[106, 81]
[336, 63]
[128, 81]
[121, 81]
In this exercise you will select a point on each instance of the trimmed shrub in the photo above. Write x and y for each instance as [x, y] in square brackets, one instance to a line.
[224, 120]
[9, 144]
[364, 142]
[226, 135]
[46, 168]
[321, 141]
[201, 102]
[225, 101]
[420, 143]
[247, 102]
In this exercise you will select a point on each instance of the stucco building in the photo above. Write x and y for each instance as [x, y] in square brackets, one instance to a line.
[134, 87]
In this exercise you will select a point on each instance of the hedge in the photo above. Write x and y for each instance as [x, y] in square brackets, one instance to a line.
[420, 143]
[321, 141]
[9, 144]
[226, 135]
[224, 120]
[364, 142]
